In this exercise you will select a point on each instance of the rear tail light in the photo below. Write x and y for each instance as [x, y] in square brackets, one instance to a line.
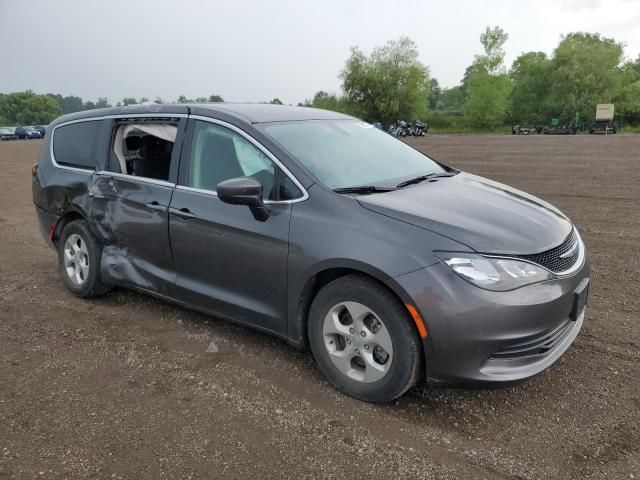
[34, 169]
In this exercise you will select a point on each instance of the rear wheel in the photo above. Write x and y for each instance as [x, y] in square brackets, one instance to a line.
[79, 255]
[363, 340]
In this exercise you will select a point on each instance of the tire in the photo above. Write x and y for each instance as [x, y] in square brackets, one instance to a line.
[79, 256]
[365, 375]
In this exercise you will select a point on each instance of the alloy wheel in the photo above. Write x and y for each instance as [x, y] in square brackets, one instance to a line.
[357, 341]
[76, 259]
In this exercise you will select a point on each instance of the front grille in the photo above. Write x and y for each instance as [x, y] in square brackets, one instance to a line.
[538, 345]
[552, 259]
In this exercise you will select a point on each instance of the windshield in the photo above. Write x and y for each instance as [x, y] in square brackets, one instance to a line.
[350, 153]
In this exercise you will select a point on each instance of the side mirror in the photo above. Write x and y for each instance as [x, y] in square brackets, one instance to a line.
[244, 191]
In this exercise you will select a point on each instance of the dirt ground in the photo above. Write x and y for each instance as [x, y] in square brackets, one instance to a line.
[122, 386]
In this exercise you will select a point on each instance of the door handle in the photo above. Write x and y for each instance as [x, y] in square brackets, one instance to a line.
[181, 212]
[156, 206]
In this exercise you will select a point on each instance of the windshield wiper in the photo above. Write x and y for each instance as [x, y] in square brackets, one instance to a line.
[422, 178]
[364, 189]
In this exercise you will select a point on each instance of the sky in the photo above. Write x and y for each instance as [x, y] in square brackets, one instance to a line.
[254, 51]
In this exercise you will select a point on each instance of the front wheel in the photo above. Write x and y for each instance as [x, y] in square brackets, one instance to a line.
[79, 255]
[363, 339]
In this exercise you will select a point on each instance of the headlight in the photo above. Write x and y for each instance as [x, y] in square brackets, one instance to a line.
[498, 274]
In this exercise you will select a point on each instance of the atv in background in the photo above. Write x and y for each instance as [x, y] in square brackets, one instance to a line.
[556, 129]
[525, 130]
[404, 129]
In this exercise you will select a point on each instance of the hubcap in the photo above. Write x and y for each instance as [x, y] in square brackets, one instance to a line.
[76, 259]
[358, 343]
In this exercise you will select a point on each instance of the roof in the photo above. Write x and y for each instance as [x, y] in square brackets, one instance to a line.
[248, 112]
[265, 112]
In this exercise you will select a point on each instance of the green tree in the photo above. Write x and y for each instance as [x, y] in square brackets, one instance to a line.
[628, 104]
[27, 108]
[215, 98]
[328, 101]
[492, 60]
[434, 93]
[68, 104]
[584, 72]
[486, 87]
[387, 85]
[102, 102]
[529, 95]
[451, 99]
[629, 73]
[487, 100]
[276, 101]
[129, 101]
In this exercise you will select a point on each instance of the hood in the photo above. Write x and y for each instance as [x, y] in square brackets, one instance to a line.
[487, 216]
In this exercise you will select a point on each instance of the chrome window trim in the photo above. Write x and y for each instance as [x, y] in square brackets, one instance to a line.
[124, 176]
[263, 149]
[87, 171]
[160, 115]
[196, 190]
[97, 119]
[203, 191]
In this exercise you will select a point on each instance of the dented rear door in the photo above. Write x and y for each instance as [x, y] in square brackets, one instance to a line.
[131, 216]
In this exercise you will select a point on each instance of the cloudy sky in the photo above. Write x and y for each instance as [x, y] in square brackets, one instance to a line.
[253, 50]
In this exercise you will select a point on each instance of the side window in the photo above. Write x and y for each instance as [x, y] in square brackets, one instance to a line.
[288, 189]
[143, 149]
[77, 145]
[218, 153]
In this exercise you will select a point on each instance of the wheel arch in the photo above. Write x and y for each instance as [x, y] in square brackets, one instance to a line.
[328, 272]
[69, 216]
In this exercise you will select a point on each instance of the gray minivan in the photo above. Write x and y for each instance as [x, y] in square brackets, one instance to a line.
[318, 228]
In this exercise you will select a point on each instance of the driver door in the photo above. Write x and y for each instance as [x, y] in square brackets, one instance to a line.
[227, 262]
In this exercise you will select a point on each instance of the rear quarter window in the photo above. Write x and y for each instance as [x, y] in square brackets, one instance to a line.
[79, 144]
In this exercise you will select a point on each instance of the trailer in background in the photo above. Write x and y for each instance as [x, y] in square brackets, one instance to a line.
[604, 120]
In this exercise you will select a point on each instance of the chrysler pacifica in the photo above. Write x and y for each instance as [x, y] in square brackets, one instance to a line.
[320, 229]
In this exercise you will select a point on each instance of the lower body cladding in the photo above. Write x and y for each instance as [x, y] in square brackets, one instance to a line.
[477, 335]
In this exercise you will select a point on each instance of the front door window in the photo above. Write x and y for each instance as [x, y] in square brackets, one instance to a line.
[218, 154]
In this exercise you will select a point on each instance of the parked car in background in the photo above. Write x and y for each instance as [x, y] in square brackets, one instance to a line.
[7, 133]
[41, 129]
[27, 133]
[318, 228]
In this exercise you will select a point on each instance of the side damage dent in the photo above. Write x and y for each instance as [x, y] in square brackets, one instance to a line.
[120, 268]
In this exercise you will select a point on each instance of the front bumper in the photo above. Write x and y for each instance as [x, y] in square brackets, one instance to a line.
[482, 336]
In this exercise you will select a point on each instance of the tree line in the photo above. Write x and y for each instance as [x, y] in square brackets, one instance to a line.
[585, 69]
[29, 108]
[391, 84]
